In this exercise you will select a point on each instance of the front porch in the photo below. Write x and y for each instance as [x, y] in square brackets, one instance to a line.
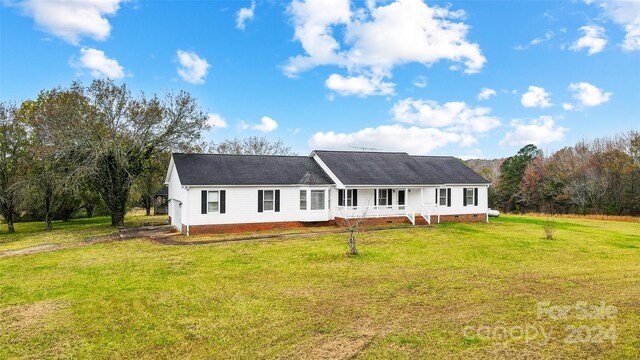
[386, 202]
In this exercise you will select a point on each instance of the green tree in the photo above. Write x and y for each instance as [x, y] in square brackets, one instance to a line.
[151, 180]
[56, 165]
[124, 132]
[512, 171]
[13, 155]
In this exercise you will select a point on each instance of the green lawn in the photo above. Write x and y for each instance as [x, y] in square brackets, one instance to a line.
[415, 292]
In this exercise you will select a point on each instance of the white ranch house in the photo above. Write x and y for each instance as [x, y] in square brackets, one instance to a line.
[212, 193]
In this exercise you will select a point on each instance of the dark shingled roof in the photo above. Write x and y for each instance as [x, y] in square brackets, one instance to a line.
[396, 168]
[218, 169]
[449, 170]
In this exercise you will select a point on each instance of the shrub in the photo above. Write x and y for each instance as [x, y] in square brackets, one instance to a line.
[549, 228]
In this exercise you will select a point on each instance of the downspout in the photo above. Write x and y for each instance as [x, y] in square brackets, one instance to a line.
[487, 213]
[438, 203]
[186, 206]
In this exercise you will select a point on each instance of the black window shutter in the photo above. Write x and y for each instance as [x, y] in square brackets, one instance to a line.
[389, 196]
[260, 197]
[449, 197]
[223, 201]
[437, 202]
[203, 208]
[277, 205]
[475, 196]
[464, 196]
[375, 197]
[340, 197]
[354, 202]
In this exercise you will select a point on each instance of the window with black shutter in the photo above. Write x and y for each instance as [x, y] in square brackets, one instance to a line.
[469, 197]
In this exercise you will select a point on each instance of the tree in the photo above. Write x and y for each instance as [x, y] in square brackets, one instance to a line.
[352, 222]
[512, 170]
[124, 132]
[90, 200]
[13, 154]
[56, 165]
[151, 180]
[253, 145]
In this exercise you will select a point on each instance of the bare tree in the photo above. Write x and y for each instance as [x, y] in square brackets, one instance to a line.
[353, 222]
[253, 145]
[13, 154]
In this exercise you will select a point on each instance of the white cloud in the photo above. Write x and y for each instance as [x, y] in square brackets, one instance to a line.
[537, 131]
[537, 41]
[588, 94]
[359, 85]
[216, 121]
[486, 93]
[377, 38]
[625, 13]
[266, 125]
[593, 39]
[72, 20]
[456, 116]
[396, 137]
[313, 20]
[567, 106]
[193, 69]
[535, 97]
[99, 64]
[420, 82]
[244, 15]
[547, 36]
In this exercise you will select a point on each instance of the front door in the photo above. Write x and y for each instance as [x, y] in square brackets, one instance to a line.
[401, 195]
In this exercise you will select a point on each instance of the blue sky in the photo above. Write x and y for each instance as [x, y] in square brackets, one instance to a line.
[392, 75]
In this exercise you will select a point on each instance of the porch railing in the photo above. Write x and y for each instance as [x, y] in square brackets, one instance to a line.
[378, 211]
[426, 214]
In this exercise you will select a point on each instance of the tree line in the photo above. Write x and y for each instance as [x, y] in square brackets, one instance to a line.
[600, 176]
[88, 146]
[98, 149]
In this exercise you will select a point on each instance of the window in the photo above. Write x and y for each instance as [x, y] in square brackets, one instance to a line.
[349, 197]
[317, 199]
[469, 196]
[267, 202]
[442, 197]
[303, 199]
[213, 201]
[383, 197]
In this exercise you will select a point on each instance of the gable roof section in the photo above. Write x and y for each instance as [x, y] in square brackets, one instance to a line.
[449, 170]
[397, 168]
[218, 169]
[372, 168]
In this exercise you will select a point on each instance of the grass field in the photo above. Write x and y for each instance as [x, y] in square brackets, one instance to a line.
[440, 292]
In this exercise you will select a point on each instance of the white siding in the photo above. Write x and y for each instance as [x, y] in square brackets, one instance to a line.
[242, 206]
[457, 202]
[176, 197]
[417, 199]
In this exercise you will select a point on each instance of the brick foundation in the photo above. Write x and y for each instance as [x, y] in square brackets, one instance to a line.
[466, 218]
[250, 227]
[379, 221]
